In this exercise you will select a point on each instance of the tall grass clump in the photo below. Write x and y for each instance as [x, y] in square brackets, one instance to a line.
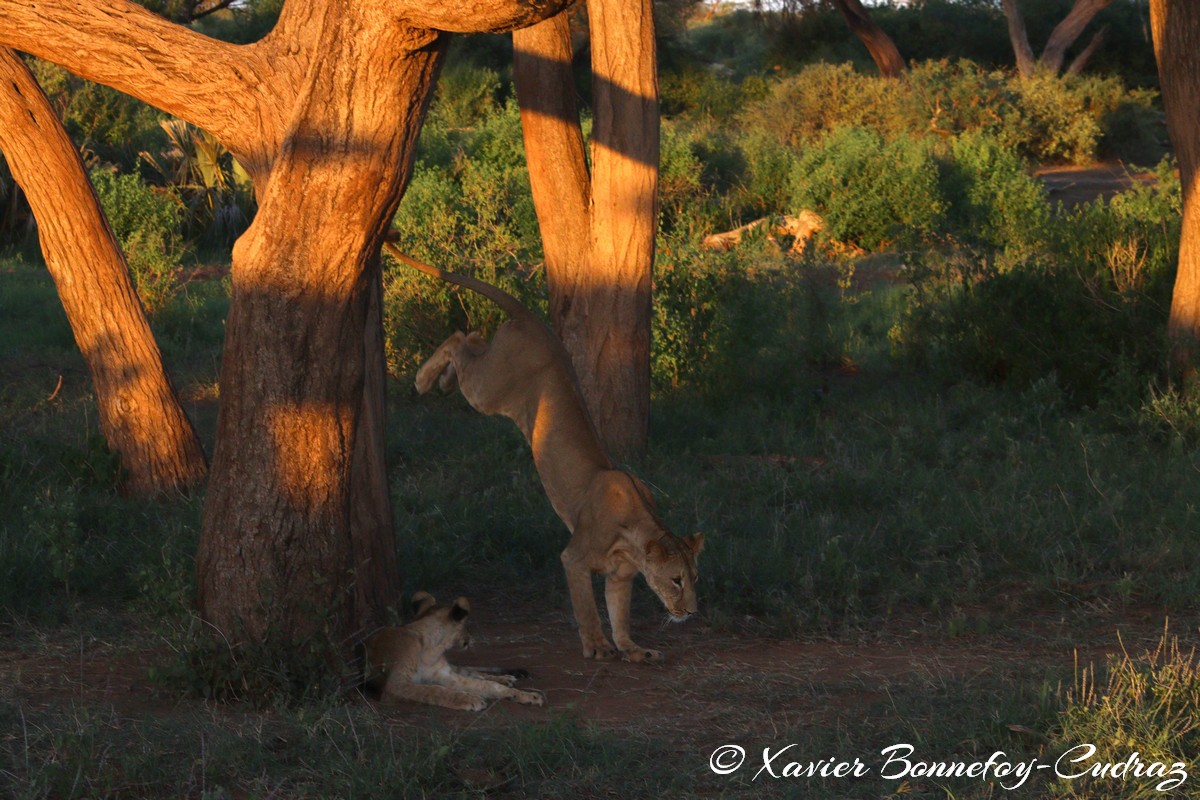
[1145, 708]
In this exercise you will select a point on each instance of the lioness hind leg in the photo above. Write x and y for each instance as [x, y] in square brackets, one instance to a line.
[617, 591]
[440, 363]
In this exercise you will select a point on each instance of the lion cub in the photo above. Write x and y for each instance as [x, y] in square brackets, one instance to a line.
[409, 663]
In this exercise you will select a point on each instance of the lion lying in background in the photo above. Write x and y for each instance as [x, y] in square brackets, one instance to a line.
[409, 663]
[526, 375]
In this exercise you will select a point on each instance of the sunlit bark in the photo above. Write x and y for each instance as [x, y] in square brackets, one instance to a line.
[140, 415]
[1175, 25]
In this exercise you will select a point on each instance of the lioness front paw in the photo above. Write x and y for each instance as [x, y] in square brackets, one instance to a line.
[642, 655]
[475, 704]
[601, 650]
[530, 698]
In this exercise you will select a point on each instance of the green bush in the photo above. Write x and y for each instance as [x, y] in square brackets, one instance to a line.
[1088, 310]
[465, 96]
[871, 193]
[145, 220]
[991, 199]
[1045, 119]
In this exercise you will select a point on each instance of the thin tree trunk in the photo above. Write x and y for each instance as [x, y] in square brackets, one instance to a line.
[1026, 64]
[376, 576]
[1066, 32]
[1175, 25]
[598, 230]
[881, 47]
[140, 414]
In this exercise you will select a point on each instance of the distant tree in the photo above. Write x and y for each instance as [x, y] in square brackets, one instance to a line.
[1175, 26]
[881, 47]
[597, 224]
[140, 414]
[1061, 38]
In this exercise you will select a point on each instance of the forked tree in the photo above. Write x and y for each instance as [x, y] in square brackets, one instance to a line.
[598, 224]
[1175, 27]
[140, 414]
[324, 113]
[1061, 38]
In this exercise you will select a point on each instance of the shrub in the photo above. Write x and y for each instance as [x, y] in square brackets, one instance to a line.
[991, 200]
[870, 192]
[145, 221]
[1046, 119]
[1089, 308]
[465, 96]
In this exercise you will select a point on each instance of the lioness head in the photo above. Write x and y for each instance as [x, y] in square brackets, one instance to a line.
[671, 572]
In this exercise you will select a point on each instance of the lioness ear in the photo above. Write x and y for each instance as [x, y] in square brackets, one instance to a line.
[696, 542]
[460, 609]
[655, 551]
[422, 602]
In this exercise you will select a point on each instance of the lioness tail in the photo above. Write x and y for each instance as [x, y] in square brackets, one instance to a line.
[511, 305]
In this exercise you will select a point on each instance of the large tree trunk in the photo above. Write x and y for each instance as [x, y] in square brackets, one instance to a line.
[279, 508]
[324, 112]
[883, 50]
[140, 415]
[598, 230]
[1175, 25]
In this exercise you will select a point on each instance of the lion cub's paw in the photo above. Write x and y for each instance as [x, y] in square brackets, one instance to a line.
[643, 655]
[534, 698]
[475, 704]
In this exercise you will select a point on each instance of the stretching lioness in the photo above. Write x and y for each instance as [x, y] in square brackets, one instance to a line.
[526, 375]
[409, 663]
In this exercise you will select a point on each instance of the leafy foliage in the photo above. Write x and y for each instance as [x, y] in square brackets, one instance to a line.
[145, 221]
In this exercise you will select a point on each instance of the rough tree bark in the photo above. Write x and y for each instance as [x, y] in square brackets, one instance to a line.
[881, 47]
[324, 112]
[1061, 38]
[598, 229]
[140, 414]
[1175, 27]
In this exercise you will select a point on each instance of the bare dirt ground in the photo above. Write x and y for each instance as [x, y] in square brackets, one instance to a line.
[715, 687]
[1074, 185]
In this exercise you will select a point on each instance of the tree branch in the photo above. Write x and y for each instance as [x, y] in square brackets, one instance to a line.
[476, 16]
[1080, 61]
[120, 44]
[1067, 31]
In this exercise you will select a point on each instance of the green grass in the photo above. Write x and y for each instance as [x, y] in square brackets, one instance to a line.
[839, 490]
